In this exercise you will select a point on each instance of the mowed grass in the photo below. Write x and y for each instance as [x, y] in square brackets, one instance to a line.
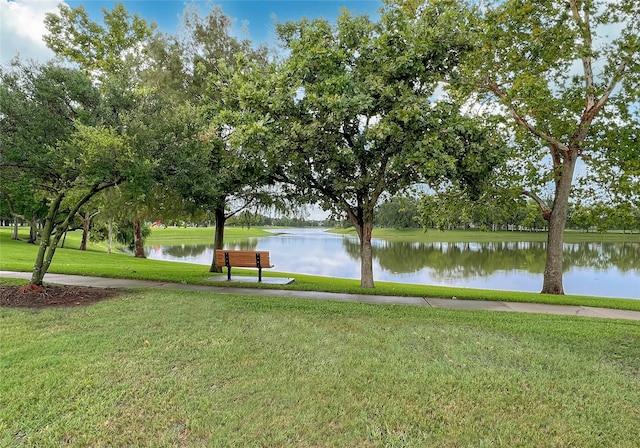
[162, 368]
[19, 256]
[200, 235]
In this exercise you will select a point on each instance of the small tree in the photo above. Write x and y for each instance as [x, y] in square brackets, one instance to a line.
[398, 212]
[49, 115]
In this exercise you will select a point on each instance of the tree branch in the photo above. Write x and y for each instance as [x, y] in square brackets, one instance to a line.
[544, 208]
[592, 106]
[495, 89]
[583, 25]
[248, 203]
[348, 138]
[382, 180]
[605, 96]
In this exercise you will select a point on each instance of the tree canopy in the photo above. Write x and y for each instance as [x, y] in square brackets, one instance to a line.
[50, 117]
[349, 116]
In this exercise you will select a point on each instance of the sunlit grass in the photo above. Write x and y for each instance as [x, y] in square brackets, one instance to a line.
[163, 368]
[199, 235]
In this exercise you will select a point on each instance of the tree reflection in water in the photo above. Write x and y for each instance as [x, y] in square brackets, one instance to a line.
[195, 252]
[467, 260]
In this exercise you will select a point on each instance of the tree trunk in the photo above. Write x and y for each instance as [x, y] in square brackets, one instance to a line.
[218, 240]
[362, 219]
[86, 226]
[39, 268]
[15, 228]
[33, 231]
[138, 244]
[54, 245]
[15, 219]
[366, 254]
[552, 283]
[366, 257]
[109, 236]
[85, 231]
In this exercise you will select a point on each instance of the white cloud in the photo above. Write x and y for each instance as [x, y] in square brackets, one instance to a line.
[22, 28]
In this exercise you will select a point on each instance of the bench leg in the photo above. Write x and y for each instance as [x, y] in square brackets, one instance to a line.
[259, 266]
[229, 273]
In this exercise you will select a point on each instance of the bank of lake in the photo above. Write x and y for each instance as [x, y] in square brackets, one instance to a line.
[19, 256]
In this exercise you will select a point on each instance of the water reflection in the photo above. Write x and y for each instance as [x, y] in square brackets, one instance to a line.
[459, 260]
[482, 259]
[604, 269]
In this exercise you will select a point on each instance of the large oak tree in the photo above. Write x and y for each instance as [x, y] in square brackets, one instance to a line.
[233, 183]
[348, 116]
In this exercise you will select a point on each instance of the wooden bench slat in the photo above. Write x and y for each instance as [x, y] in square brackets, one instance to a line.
[244, 258]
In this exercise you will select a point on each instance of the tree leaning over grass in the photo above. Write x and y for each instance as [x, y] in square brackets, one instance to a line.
[95, 158]
[114, 54]
[51, 130]
[348, 117]
[566, 74]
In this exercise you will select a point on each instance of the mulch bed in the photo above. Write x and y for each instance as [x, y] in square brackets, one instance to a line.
[48, 296]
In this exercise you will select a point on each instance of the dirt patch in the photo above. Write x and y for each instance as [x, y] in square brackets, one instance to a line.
[16, 296]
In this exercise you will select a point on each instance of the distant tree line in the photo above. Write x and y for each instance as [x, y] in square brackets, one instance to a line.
[250, 219]
[446, 214]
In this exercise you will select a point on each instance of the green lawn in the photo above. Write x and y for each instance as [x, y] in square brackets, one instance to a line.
[166, 368]
[199, 235]
[19, 256]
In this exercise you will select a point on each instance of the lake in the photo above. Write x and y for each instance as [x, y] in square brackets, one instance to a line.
[596, 269]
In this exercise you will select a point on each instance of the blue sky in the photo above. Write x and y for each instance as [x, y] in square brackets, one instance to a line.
[21, 21]
[257, 15]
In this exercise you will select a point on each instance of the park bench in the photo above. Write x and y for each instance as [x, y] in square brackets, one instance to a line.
[243, 259]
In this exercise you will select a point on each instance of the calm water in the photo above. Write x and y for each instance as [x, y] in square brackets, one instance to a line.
[599, 269]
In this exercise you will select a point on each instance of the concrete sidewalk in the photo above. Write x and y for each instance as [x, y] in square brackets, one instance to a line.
[567, 310]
